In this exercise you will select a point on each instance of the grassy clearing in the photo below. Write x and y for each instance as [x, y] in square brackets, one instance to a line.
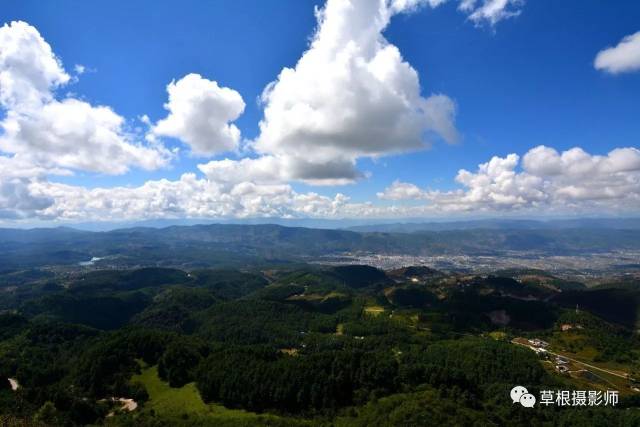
[165, 400]
[498, 335]
[587, 353]
[289, 351]
[374, 310]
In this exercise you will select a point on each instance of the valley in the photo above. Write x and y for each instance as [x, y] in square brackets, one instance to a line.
[324, 342]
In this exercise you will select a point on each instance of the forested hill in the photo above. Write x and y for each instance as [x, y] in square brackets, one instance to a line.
[307, 346]
[217, 244]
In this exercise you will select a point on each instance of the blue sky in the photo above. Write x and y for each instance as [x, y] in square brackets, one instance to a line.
[521, 82]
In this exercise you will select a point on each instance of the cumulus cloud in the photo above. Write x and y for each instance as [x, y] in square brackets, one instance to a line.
[264, 170]
[74, 134]
[18, 199]
[542, 181]
[402, 191]
[622, 58]
[573, 180]
[496, 186]
[274, 169]
[29, 70]
[189, 196]
[350, 95]
[52, 133]
[576, 175]
[200, 115]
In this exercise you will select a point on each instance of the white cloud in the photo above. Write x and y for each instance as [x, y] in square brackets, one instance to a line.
[350, 95]
[467, 5]
[278, 169]
[29, 70]
[584, 183]
[578, 164]
[17, 198]
[187, 197]
[623, 58]
[491, 11]
[264, 170]
[479, 11]
[571, 181]
[403, 191]
[399, 6]
[200, 115]
[578, 176]
[76, 135]
[497, 186]
[52, 133]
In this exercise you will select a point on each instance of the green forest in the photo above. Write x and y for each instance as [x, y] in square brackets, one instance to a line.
[303, 345]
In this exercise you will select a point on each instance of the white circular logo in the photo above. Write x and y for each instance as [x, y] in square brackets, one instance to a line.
[517, 392]
[528, 400]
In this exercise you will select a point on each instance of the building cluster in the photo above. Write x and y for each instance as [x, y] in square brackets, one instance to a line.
[562, 364]
[538, 345]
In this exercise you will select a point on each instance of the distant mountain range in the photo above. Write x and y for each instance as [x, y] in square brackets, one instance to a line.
[233, 244]
[503, 224]
[388, 225]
